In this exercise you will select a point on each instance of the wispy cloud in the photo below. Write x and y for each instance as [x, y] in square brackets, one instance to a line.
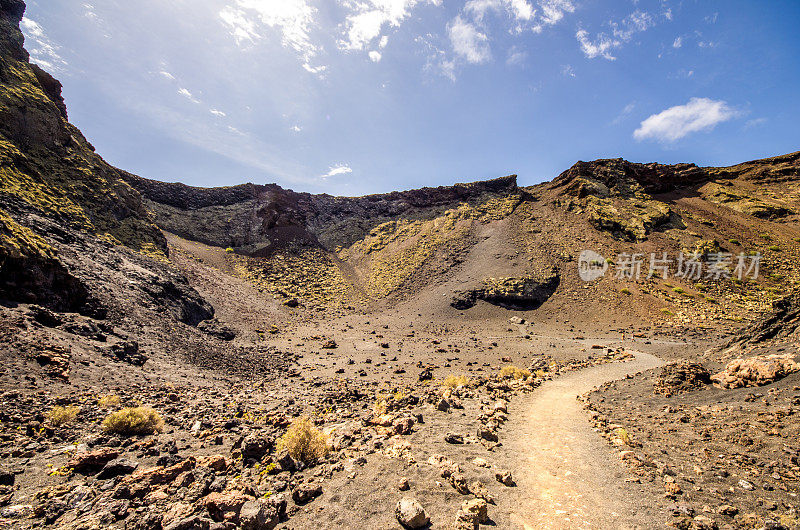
[217, 113]
[567, 70]
[674, 123]
[756, 122]
[468, 43]
[516, 56]
[368, 21]
[337, 169]
[469, 31]
[621, 33]
[43, 51]
[293, 18]
[188, 95]
[624, 113]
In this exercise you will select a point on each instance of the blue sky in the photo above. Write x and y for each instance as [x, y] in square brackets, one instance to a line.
[365, 96]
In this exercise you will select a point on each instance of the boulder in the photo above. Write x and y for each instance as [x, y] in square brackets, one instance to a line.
[262, 514]
[756, 371]
[410, 514]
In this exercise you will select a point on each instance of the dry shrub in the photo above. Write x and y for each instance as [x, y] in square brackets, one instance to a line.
[303, 441]
[455, 381]
[512, 371]
[59, 416]
[109, 402]
[133, 420]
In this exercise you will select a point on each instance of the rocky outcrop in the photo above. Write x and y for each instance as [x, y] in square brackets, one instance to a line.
[525, 293]
[681, 376]
[756, 371]
[257, 219]
[74, 236]
[782, 322]
[631, 200]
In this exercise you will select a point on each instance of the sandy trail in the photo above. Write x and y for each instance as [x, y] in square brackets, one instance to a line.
[567, 476]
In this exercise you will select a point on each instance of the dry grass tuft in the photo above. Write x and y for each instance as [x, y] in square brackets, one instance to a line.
[455, 381]
[303, 441]
[512, 371]
[109, 402]
[62, 415]
[133, 420]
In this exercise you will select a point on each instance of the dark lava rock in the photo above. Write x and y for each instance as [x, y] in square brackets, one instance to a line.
[128, 352]
[526, 293]
[116, 468]
[217, 329]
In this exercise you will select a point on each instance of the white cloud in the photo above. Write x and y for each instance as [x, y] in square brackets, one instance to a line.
[523, 13]
[294, 19]
[295, 128]
[621, 33]
[567, 70]
[42, 50]
[167, 75]
[678, 42]
[601, 47]
[368, 19]
[217, 113]
[468, 43]
[375, 56]
[337, 169]
[699, 114]
[188, 95]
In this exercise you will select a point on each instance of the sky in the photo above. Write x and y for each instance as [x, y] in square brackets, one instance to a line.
[351, 97]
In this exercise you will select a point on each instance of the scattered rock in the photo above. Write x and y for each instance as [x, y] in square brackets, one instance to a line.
[305, 493]
[91, 460]
[505, 478]
[118, 467]
[262, 514]
[410, 513]
[453, 438]
[681, 376]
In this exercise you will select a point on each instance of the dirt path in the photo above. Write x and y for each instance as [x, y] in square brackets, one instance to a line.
[567, 476]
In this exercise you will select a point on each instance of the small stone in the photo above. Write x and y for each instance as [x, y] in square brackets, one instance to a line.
[403, 484]
[505, 478]
[485, 433]
[91, 460]
[479, 507]
[262, 514]
[305, 493]
[745, 485]
[115, 468]
[453, 438]
[443, 405]
[410, 513]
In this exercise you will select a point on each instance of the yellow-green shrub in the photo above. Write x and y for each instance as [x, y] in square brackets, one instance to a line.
[133, 420]
[108, 402]
[62, 415]
[303, 441]
[512, 371]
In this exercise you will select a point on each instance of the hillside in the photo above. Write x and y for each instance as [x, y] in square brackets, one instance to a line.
[175, 357]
